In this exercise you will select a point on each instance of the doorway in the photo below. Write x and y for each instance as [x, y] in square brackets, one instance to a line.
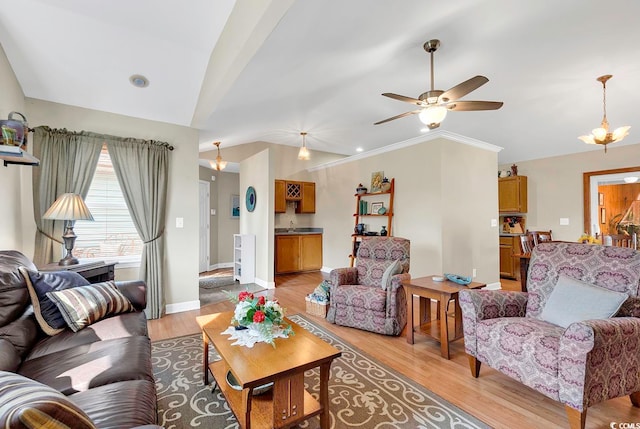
[204, 225]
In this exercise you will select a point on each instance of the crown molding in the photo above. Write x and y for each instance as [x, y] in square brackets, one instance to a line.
[411, 142]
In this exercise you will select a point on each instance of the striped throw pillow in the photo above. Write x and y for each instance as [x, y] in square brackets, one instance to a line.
[25, 403]
[83, 305]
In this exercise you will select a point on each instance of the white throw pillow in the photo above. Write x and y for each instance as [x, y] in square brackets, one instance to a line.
[574, 301]
[392, 270]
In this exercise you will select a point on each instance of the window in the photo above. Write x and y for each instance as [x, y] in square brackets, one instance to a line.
[112, 235]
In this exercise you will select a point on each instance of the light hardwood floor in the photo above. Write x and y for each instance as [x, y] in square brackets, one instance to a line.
[493, 397]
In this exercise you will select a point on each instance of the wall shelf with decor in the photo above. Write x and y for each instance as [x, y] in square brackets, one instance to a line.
[22, 158]
[368, 207]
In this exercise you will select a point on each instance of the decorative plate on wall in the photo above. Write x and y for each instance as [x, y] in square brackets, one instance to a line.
[251, 199]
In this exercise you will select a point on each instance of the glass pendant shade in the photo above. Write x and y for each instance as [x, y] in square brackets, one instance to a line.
[433, 115]
[602, 135]
[303, 153]
[220, 164]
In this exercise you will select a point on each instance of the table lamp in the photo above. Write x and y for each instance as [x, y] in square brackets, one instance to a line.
[68, 207]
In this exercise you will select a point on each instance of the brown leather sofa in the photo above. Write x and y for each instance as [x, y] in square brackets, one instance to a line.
[103, 369]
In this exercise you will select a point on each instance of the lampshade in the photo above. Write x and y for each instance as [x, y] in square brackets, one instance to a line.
[303, 154]
[219, 164]
[432, 116]
[68, 207]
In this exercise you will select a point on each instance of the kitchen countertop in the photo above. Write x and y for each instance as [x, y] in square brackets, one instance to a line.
[507, 234]
[298, 231]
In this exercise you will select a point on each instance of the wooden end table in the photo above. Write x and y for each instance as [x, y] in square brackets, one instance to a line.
[442, 292]
[94, 272]
[288, 403]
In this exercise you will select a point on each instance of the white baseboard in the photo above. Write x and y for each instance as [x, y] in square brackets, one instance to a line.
[493, 286]
[264, 284]
[220, 265]
[326, 269]
[182, 306]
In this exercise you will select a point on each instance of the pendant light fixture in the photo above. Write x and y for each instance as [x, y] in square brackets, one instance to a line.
[220, 164]
[602, 135]
[303, 154]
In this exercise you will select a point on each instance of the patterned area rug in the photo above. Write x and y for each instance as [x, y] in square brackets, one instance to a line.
[363, 393]
[215, 288]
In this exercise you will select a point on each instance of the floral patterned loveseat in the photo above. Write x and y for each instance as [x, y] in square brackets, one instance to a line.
[586, 363]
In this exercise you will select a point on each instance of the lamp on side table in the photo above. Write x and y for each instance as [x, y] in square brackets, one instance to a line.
[68, 207]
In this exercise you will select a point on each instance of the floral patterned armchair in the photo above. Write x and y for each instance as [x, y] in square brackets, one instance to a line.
[586, 363]
[357, 296]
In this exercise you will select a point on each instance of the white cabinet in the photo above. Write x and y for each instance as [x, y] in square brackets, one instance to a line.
[244, 258]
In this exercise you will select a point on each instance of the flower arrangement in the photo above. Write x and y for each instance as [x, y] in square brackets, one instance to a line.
[259, 314]
[588, 239]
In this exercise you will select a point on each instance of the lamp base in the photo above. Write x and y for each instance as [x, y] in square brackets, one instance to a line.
[68, 260]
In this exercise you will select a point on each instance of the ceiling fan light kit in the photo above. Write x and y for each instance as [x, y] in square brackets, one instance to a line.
[434, 104]
[303, 154]
[602, 135]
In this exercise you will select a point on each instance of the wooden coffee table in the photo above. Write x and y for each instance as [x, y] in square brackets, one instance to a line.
[288, 403]
[442, 292]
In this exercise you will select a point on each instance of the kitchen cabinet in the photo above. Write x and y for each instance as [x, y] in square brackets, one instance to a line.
[512, 194]
[298, 252]
[509, 263]
[302, 193]
[280, 197]
[308, 202]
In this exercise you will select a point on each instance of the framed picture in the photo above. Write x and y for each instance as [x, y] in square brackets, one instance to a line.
[601, 198]
[235, 206]
[375, 207]
[376, 181]
[603, 218]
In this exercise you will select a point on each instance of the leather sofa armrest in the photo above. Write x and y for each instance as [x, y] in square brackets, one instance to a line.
[478, 305]
[9, 357]
[135, 291]
[599, 360]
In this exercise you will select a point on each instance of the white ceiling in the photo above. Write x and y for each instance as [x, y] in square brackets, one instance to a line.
[279, 67]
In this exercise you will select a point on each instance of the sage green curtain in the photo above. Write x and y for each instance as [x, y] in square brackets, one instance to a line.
[68, 161]
[142, 168]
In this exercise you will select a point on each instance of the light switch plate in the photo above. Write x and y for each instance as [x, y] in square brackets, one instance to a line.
[213, 212]
[564, 221]
[494, 222]
[179, 222]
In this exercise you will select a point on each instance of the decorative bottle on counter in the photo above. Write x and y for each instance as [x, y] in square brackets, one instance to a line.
[383, 231]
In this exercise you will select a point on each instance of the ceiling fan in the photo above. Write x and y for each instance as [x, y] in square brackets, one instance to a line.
[435, 103]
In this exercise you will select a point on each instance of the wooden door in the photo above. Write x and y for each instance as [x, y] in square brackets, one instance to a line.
[506, 257]
[308, 202]
[310, 252]
[280, 203]
[287, 253]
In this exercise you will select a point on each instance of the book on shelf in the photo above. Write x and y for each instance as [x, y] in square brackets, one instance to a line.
[5, 152]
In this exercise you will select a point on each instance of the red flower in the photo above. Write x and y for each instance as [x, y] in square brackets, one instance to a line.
[258, 317]
[244, 295]
[261, 300]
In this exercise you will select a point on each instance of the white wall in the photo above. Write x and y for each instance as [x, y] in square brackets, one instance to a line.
[257, 171]
[445, 197]
[13, 188]
[181, 260]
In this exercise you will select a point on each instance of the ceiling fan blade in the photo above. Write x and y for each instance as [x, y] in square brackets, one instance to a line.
[402, 115]
[403, 98]
[463, 89]
[474, 105]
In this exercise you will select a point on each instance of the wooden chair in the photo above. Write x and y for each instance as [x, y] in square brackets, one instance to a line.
[540, 236]
[620, 240]
[526, 243]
